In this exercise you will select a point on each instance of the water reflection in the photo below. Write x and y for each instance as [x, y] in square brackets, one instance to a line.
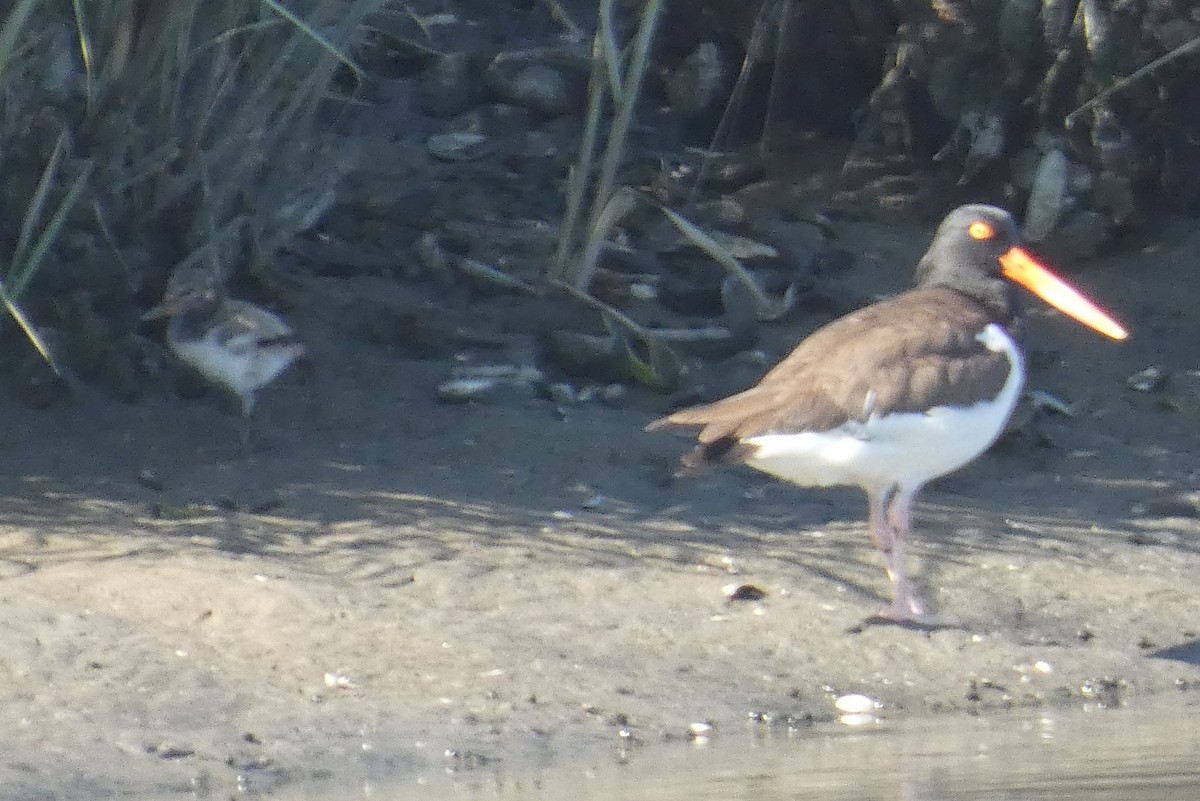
[1097, 755]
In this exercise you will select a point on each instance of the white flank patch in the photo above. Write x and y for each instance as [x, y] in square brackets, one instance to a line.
[906, 449]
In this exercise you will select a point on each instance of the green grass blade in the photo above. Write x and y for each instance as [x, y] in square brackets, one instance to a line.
[86, 51]
[30, 332]
[10, 33]
[33, 210]
[316, 37]
[24, 272]
[767, 308]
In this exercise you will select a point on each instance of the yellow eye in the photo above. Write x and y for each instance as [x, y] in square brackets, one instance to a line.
[981, 230]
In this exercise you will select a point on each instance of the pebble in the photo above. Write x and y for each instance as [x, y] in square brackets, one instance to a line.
[464, 390]
[614, 395]
[457, 145]
[698, 82]
[149, 479]
[594, 502]
[1147, 379]
[536, 84]
[743, 592]
[339, 681]
[562, 393]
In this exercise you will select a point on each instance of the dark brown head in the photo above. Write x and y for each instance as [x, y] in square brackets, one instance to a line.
[198, 292]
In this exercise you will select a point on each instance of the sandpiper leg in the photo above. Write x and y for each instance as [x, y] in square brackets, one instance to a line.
[244, 430]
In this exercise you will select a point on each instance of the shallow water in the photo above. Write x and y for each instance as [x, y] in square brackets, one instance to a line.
[1098, 755]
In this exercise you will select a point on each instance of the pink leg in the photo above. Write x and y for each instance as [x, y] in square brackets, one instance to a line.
[879, 522]
[905, 604]
[890, 522]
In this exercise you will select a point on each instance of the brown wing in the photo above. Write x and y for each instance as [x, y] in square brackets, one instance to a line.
[908, 354]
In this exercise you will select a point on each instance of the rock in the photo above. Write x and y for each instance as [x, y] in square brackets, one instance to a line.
[537, 81]
[698, 82]
[1049, 198]
[457, 146]
[448, 86]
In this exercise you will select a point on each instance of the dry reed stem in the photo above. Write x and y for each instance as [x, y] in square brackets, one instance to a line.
[625, 90]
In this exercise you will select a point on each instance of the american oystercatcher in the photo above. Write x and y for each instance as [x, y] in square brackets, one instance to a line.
[900, 392]
[233, 343]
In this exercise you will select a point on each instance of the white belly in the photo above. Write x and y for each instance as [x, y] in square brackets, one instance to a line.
[905, 449]
[243, 366]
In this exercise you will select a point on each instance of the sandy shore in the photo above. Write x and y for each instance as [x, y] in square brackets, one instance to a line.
[391, 583]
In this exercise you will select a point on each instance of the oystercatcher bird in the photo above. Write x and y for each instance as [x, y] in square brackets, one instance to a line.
[232, 343]
[900, 392]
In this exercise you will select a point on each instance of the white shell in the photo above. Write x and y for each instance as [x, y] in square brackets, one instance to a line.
[456, 145]
[856, 704]
[1147, 380]
[339, 681]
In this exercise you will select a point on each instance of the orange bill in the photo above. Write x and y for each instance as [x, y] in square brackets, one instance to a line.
[1020, 268]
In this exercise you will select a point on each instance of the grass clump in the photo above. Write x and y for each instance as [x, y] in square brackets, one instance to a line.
[136, 137]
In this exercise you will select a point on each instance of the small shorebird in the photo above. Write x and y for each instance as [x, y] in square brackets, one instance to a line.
[232, 343]
[900, 392]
